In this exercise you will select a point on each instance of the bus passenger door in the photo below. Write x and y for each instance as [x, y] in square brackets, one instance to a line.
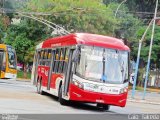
[51, 68]
[37, 57]
[68, 73]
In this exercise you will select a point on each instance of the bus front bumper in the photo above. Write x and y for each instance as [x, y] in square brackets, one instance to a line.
[77, 94]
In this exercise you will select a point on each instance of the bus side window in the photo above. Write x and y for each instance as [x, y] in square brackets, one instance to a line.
[65, 60]
[60, 60]
[45, 54]
[56, 60]
[48, 58]
[44, 57]
[41, 58]
[49, 54]
[62, 56]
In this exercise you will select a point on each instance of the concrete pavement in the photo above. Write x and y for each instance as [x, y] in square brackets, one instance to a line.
[150, 98]
[21, 97]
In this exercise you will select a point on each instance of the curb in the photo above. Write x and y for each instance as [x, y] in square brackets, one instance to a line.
[143, 101]
[23, 80]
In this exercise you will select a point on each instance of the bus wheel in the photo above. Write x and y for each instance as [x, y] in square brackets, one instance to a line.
[39, 87]
[103, 107]
[60, 99]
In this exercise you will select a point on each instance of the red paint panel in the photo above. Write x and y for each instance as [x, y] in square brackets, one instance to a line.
[78, 94]
[54, 79]
[43, 72]
[86, 39]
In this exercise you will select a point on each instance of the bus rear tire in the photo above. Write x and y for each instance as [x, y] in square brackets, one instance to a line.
[60, 99]
[103, 107]
[39, 87]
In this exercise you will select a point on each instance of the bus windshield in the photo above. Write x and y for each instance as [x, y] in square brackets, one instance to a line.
[11, 58]
[103, 65]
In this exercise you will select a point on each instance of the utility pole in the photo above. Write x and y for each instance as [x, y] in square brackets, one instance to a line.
[150, 50]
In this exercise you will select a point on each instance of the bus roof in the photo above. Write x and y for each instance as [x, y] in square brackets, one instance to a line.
[86, 39]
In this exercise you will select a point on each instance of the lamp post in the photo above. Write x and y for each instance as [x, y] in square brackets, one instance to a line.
[115, 15]
[138, 58]
[119, 7]
[150, 51]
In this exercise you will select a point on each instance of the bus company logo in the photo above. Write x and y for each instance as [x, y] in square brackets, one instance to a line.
[46, 73]
[54, 45]
[9, 117]
[115, 90]
[42, 70]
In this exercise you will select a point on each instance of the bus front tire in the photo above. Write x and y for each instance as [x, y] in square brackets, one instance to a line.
[103, 107]
[60, 99]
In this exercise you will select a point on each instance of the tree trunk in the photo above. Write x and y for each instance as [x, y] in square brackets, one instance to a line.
[139, 83]
[25, 71]
[158, 80]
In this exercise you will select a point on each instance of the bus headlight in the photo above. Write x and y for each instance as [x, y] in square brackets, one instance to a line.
[78, 84]
[123, 90]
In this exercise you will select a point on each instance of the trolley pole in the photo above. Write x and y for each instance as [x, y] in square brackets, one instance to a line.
[150, 51]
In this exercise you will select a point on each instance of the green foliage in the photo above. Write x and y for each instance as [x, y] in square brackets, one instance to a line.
[23, 37]
[3, 27]
[90, 16]
[155, 57]
[77, 16]
[20, 74]
[22, 46]
[87, 16]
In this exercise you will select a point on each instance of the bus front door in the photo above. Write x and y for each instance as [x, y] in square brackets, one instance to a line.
[68, 73]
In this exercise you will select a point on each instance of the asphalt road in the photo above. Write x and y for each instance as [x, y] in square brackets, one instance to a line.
[17, 97]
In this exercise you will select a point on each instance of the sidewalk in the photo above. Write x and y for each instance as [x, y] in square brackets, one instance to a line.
[23, 79]
[150, 98]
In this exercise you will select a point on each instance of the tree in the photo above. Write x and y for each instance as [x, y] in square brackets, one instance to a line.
[23, 37]
[87, 16]
[4, 22]
[155, 57]
[77, 16]
[1, 30]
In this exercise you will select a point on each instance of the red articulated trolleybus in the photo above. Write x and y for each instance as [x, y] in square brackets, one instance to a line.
[83, 67]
